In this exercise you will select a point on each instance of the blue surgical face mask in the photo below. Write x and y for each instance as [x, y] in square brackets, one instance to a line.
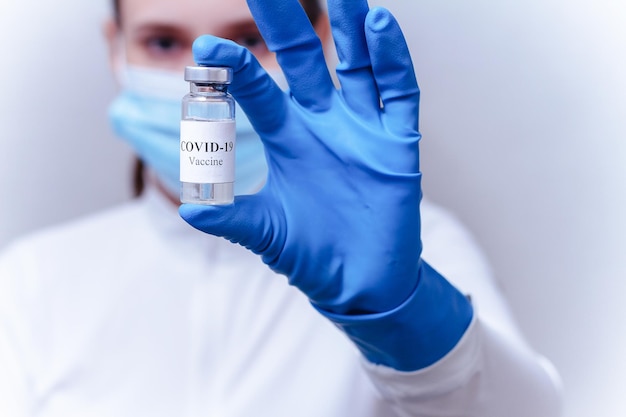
[147, 112]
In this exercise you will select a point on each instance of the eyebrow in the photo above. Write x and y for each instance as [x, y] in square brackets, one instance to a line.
[228, 30]
[150, 28]
[232, 30]
[235, 29]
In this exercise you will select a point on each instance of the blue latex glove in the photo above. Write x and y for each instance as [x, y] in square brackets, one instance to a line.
[339, 215]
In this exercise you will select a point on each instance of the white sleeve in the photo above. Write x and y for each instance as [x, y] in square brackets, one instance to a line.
[484, 375]
[14, 382]
[492, 371]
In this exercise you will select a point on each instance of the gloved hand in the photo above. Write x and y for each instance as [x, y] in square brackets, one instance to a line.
[339, 214]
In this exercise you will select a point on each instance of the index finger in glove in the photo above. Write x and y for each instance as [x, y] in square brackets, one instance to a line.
[252, 87]
[287, 31]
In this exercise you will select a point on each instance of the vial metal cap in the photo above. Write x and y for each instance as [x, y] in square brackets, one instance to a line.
[198, 74]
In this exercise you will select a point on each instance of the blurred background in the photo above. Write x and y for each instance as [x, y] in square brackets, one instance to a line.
[523, 117]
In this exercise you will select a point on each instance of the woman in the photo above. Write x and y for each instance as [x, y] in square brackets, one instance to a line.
[132, 312]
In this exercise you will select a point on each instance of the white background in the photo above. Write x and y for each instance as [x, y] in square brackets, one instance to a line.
[523, 108]
[58, 156]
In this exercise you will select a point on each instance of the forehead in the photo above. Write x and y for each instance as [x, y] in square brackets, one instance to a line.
[196, 16]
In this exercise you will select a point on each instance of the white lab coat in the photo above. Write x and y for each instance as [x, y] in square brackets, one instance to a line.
[133, 313]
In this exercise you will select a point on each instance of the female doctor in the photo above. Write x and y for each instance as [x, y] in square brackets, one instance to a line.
[390, 308]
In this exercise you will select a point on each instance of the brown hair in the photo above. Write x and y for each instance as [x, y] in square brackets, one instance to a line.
[313, 10]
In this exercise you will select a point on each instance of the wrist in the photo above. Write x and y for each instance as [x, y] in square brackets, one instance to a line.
[415, 334]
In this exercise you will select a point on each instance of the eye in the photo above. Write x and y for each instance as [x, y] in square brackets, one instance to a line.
[250, 41]
[160, 44]
[253, 42]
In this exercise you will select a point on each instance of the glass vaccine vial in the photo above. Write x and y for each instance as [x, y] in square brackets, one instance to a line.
[207, 137]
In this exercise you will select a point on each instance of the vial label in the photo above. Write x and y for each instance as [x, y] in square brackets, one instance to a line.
[207, 151]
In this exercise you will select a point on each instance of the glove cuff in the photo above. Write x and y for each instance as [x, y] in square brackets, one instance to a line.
[417, 333]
